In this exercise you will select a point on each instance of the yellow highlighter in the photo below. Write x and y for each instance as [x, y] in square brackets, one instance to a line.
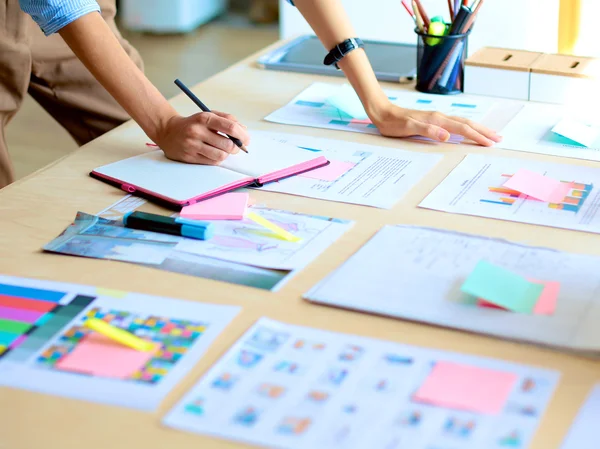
[435, 29]
[282, 233]
[119, 335]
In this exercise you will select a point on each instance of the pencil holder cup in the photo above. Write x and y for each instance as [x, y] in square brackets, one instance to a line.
[441, 63]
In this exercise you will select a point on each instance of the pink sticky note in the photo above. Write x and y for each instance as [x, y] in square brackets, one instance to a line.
[361, 121]
[538, 186]
[330, 172]
[546, 305]
[97, 355]
[547, 301]
[230, 206]
[465, 387]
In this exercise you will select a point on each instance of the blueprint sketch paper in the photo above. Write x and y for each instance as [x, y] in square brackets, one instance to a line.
[584, 431]
[416, 274]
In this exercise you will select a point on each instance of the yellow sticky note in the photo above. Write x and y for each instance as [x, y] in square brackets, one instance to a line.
[110, 292]
[272, 227]
[119, 335]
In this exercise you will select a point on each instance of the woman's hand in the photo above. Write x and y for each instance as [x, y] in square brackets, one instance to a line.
[195, 139]
[394, 121]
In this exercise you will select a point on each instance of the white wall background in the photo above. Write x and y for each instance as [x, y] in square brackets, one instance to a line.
[516, 24]
[588, 44]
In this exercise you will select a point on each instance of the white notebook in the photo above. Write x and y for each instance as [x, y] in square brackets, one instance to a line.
[173, 183]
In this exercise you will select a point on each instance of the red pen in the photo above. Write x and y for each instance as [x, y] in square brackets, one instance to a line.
[409, 10]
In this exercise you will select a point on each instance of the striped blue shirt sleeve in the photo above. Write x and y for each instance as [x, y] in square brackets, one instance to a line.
[52, 15]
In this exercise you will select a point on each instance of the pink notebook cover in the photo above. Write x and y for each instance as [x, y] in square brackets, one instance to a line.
[173, 203]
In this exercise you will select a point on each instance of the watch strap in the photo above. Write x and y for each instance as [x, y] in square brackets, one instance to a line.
[338, 52]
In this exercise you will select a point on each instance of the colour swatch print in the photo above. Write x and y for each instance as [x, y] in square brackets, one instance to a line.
[308, 388]
[173, 338]
[30, 316]
[47, 346]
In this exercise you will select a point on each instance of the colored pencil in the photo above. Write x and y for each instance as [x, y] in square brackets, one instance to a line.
[451, 9]
[465, 28]
[471, 20]
[474, 16]
[418, 18]
[424, 15]
[409, 10]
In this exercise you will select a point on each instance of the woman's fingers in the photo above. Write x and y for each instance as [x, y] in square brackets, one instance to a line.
[223, 125]
[415, 127]
[463, 127]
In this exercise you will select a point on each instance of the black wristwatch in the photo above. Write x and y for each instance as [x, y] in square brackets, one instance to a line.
[339, 51]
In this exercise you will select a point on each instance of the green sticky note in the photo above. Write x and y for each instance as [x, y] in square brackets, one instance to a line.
[346, 100]
[502, 288]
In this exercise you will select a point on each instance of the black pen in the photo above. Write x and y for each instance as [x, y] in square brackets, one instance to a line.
[202, 106]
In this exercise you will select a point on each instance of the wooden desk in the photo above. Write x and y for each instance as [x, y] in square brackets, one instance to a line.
[36, 209]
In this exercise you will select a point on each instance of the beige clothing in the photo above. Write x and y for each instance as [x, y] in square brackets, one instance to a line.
[48, 70]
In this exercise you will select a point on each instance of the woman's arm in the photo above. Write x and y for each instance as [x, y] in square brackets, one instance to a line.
[191, 139]
[331, 24]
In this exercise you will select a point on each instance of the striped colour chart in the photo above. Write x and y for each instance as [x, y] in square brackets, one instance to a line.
[46, 347]
[31, 316]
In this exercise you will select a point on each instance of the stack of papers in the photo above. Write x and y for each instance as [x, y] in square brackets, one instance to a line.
[439, 277]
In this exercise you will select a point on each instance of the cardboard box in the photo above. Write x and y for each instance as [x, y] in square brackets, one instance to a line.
[500, 72]
[565, 79]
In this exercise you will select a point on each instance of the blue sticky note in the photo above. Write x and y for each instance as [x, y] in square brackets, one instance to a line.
[502, 287]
